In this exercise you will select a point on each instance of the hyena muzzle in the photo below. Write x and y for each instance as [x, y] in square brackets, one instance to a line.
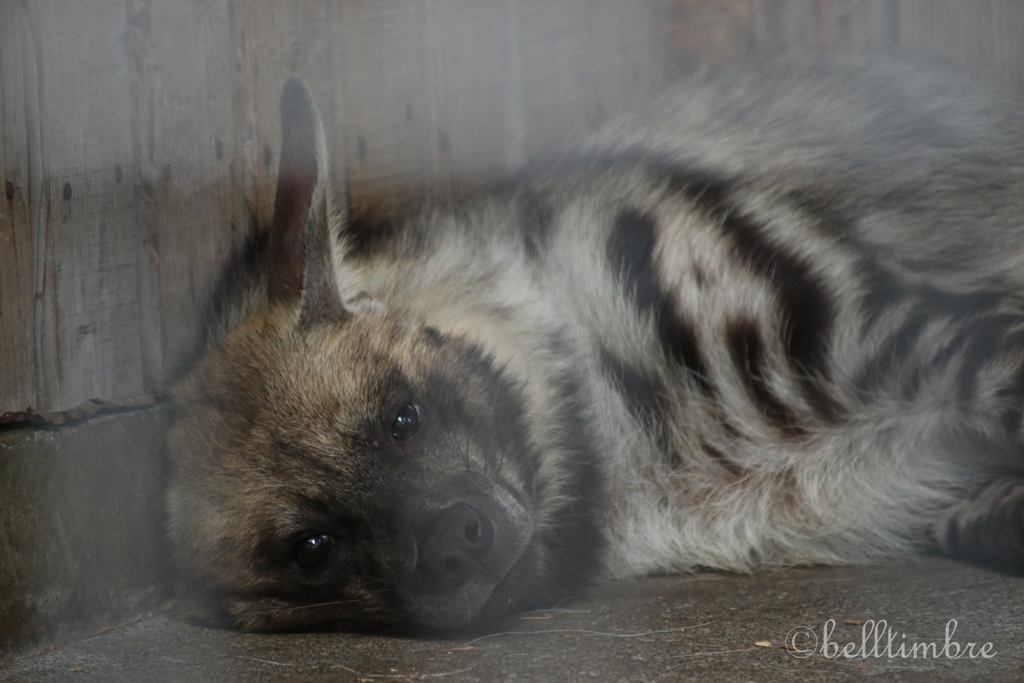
[773, 319]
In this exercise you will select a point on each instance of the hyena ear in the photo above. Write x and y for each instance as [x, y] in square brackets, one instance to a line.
[302, 259]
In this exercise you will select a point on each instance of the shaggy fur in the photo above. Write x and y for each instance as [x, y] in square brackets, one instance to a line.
[774, 319]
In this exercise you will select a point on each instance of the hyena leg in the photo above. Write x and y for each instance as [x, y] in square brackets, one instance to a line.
[988, 527]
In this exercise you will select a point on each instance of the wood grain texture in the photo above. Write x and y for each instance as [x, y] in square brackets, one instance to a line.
[706, 33]
[138, 139]
[17, 352]
[184, 144]
[439, 94]
[835, 25]
[583, 61]
[87, 215]
[985, 36]
[272, 41]
[465, 60]
[384, 75]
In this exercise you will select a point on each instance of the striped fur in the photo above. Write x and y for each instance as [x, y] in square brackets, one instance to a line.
[777, 318]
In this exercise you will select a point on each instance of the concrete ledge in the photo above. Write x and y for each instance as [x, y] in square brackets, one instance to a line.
[81, 523]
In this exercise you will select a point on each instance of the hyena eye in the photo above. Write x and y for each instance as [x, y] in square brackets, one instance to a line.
[406, 422]
[312, 550]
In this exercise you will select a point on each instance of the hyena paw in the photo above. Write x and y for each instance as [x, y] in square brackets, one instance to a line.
[986, 528]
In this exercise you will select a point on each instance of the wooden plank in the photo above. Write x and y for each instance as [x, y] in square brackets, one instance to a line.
[466, 88]
[986, 36]
[783, 24]
[834, 25]
[1006, 42]
[854, 24]
[432, 95]
[17, 355]
[583, 61]
[706, 33]
[184, 142]
[384, 75]
[272, 41]
[558, 90]
[879, 21]
[89, 218]
[441, 93]
[625, 55]
[934, 27]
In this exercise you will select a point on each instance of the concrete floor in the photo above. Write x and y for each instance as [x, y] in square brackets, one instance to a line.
[704, 628]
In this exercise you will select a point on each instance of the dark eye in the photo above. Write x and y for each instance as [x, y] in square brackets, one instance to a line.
[406, 422]
[312, 550]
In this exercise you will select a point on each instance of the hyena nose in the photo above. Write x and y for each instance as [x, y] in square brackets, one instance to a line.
[452, 549]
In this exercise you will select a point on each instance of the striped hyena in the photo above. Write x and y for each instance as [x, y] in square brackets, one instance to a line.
[773, 319]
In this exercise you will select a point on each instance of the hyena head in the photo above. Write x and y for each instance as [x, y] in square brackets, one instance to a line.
[333, 466]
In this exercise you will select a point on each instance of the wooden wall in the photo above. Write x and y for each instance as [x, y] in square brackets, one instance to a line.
[986, 36]
[138, 138]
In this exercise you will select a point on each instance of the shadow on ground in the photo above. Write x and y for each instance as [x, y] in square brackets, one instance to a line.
[705, 628]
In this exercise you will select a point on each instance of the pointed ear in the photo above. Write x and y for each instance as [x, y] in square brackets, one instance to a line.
[301, 265]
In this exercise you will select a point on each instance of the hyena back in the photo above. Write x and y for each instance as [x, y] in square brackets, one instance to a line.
[774, 319]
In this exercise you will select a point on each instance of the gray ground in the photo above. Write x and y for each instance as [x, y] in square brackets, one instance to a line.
[705, 628]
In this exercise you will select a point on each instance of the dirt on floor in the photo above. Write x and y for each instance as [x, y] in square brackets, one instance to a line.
[927, 621]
